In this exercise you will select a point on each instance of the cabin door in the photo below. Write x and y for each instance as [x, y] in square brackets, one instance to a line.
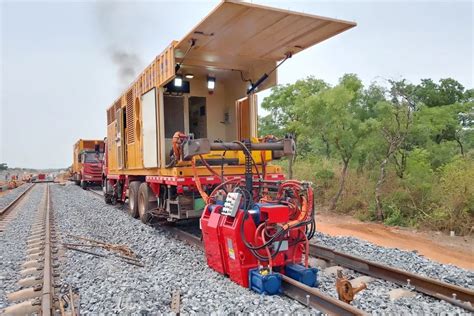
[119, 138]
[246, 115]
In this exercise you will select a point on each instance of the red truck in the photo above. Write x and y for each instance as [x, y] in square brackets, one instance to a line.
[87, 162]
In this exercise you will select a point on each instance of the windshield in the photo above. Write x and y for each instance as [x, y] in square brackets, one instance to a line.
[93, 157]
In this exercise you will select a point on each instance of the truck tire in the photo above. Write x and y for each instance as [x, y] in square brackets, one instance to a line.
[133, 198]
[146, 202]
[107, 194]
[108, 199]
[83, 185]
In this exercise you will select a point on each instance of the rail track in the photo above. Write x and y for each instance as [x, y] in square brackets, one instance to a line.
[7, 213]
[96, 192]
[453, 294]
[40, 293]
[298, 291]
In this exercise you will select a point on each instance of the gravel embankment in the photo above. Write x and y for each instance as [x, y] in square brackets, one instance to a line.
[13, 194]
[405, 260]
[110, 285]
[375, 298]
[13, 244]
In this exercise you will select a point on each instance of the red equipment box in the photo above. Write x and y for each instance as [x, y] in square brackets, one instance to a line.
[225, 248]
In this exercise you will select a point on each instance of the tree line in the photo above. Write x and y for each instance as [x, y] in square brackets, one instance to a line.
[407, 150]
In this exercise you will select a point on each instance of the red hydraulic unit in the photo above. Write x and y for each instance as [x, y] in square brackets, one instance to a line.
[254, 230]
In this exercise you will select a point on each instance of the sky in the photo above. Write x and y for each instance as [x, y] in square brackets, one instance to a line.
[63, 62]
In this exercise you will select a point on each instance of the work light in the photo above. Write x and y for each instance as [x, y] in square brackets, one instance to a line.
[178, 81]
[211, 83]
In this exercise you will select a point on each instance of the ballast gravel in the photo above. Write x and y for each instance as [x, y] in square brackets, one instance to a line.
[13, 243]
[376, 298]
[11, 195]
[112, 286]
[109, 285]
[401, 259]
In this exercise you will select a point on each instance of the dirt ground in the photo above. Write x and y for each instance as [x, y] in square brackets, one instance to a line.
[437, 246]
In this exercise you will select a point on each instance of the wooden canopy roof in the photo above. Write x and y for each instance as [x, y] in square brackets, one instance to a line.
[238, 35]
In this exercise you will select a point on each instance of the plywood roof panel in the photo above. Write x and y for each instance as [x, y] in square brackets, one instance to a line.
[240, 33]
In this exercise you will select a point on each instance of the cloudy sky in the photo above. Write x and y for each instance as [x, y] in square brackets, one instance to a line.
[64, 62]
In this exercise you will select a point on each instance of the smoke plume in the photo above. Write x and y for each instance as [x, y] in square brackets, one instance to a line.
[129, 65]
[116, 23]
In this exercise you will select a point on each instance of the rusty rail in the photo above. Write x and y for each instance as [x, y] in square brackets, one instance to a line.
[453, 294]
[298, 291]
[96, 192]
[48, 284]
[4, 211]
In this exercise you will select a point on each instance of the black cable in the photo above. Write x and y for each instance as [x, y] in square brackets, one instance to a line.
[242, 76]
[178, 66]
[248, 153]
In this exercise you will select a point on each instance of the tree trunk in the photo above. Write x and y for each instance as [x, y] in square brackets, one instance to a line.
[290, 167]
[461, 147]
[292, 159]
[326, 144]
[341, 185]
[378, 186]
[401, 165]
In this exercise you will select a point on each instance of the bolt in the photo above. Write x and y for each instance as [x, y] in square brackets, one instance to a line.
[454, 295]
[408, 282]
[307, 299]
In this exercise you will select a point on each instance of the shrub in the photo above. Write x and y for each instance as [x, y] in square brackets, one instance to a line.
[455, 209]
[324, 177]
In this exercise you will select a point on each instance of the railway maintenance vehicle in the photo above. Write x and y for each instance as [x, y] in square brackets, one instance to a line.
[182, 143]
[86, 169]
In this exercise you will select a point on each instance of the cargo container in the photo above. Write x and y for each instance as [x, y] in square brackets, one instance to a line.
[199, 93]
[87, 162]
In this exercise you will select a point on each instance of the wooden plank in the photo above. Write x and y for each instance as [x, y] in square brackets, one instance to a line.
[251, 31]
[279, 33]
[251, 23]
[290, 42]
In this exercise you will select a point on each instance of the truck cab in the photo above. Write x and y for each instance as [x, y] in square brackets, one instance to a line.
[88, 156]
[91, 170]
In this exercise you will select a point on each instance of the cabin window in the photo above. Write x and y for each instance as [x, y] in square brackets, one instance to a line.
[174, 115]
[197, 117]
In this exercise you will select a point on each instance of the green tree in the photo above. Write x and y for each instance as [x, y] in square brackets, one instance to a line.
[281, 104]
[394, 122]
[448, 91]
[335, 113]
[268, 126]
[3, 166]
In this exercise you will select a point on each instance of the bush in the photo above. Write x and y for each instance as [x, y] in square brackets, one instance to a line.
[324, 177]
[455, 207]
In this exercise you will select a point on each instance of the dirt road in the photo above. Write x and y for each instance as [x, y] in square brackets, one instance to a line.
[436, 246]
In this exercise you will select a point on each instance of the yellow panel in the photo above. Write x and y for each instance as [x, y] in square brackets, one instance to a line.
[111, 146]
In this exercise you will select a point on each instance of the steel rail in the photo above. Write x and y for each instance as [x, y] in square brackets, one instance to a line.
[4, 211]
[48, 284]
[453, 294]
[311, 296]
[298, 291]
[96, 192]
